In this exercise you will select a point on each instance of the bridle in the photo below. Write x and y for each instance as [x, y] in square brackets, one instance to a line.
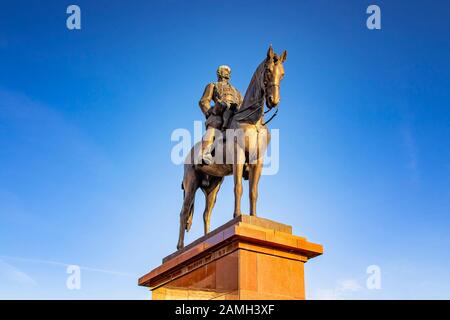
[260, 101]
[269, 84]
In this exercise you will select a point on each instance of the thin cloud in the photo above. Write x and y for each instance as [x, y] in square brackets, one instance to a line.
[343, 289]
[412, 152]
[40, 127]
[13, 274]
[65, 265]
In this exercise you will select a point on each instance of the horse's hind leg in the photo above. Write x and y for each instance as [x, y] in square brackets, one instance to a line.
[210, 197]
[238, 169]
[190, 185]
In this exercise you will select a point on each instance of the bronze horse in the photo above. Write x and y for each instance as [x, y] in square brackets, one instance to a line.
[247, 152]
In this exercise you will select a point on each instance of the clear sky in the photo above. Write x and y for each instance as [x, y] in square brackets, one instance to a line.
[86, 118]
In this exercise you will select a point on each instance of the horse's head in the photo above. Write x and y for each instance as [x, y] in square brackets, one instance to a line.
[273, 74]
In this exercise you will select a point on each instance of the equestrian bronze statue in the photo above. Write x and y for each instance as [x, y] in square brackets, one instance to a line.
[239, 151]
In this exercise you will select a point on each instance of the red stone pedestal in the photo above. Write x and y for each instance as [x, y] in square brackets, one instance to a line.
[247, 258]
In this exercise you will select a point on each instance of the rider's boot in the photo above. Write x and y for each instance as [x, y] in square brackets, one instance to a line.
[207, 157]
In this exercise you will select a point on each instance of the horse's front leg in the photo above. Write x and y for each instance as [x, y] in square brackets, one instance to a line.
[253, 180]
[261, 141]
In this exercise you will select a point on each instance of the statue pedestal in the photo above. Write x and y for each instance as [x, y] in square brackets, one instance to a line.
[246, 258]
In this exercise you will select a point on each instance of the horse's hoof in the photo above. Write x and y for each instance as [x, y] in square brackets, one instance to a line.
[236, 214]
[180, 246]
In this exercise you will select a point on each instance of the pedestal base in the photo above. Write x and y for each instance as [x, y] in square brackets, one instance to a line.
[247, 258]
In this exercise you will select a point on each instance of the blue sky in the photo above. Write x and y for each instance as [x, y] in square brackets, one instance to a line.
[86, 118]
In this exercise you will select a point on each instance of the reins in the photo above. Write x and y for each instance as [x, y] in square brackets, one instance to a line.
[273, 116]
[260, 102]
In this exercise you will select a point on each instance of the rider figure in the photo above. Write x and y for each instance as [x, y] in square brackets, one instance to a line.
[227, 99]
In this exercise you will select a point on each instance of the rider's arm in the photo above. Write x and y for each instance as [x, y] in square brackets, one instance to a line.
[238, 103]
[205, 101]
[240, 100]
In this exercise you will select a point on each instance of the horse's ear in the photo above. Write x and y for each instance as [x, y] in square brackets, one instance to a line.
[283, 56]
[270, 53]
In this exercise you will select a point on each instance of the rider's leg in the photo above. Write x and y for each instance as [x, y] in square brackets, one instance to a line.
[226, 118]
[207, 145]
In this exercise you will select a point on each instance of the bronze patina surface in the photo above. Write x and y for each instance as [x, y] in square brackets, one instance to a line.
[247, 120]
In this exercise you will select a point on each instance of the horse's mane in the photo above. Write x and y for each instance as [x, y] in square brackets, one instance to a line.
[254, 88]
[253, 94]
